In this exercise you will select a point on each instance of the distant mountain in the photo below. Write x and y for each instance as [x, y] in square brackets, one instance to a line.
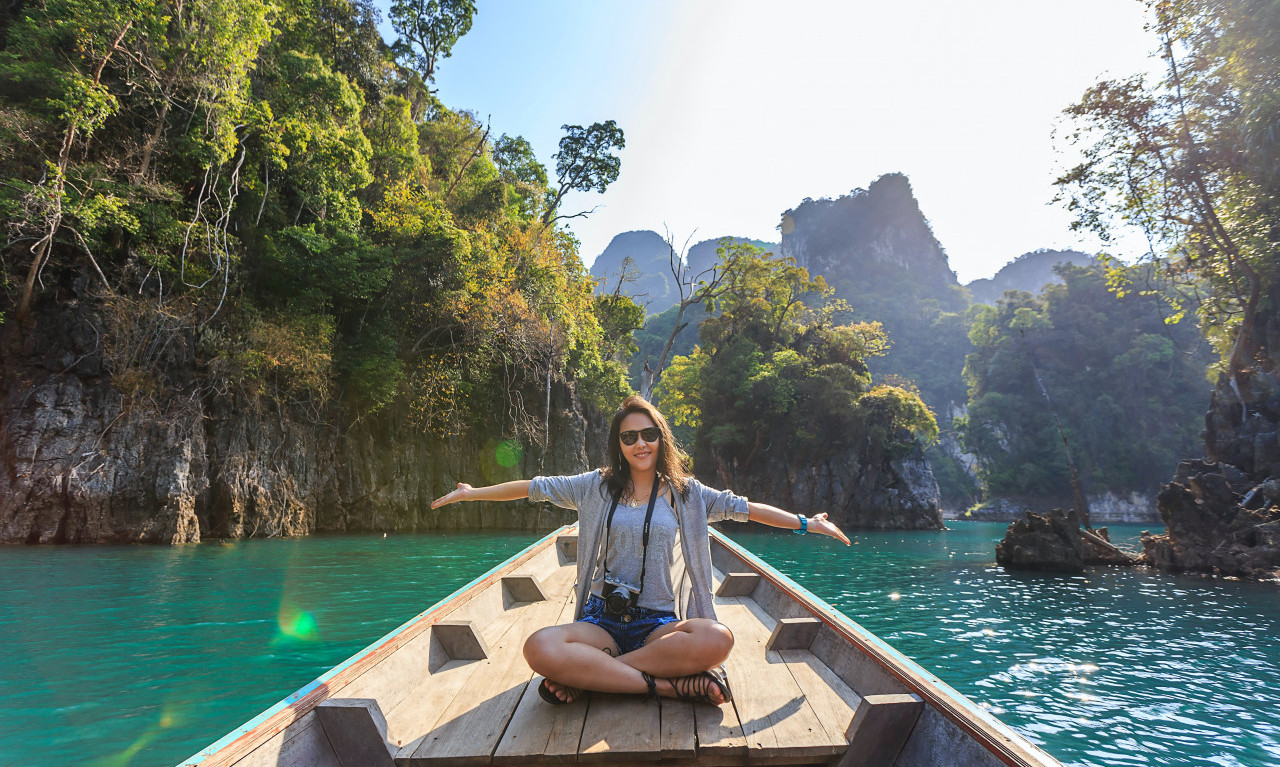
[1029, 272]
[873, 246]
[876, 249]
[646, 257]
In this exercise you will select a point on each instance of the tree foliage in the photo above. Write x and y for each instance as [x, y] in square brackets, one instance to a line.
[428, 31]
[584, 163]
[1193, 161]
[1127, 387]
[778, 373]
[268, 184]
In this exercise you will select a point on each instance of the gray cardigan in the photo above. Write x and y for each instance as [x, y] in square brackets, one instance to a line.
[585, 492]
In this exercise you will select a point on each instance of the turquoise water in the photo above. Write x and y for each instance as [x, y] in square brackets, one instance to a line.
[144, 655]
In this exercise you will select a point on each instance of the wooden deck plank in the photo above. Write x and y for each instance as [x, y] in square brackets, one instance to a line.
[776, 718]
[679, 733]
[425, 697]
[540, 732]
[620, 726]
[424, 701]
[417, 695]
[301, 745]
[718, 728]
[419, 714]
[833, 701]
[468, 730]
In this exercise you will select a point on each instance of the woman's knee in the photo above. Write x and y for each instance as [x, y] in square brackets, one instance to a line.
[719, 642]
[540, 647]
[714, 642]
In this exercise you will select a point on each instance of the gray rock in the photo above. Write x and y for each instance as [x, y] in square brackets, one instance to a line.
[1056, 542]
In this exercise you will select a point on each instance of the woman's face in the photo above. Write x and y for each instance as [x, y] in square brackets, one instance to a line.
[642, 456]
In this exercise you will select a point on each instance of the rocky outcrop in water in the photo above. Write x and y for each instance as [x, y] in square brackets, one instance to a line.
[1055, 542]
[1218, 521]
[1222, 514]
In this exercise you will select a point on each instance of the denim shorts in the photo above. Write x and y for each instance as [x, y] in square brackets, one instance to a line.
[630, 629]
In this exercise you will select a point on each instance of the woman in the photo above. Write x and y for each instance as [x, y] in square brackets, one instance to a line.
[627, 637]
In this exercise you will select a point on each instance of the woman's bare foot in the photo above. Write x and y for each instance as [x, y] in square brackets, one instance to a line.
[563, 692]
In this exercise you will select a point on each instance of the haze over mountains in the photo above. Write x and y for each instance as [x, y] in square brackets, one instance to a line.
[642, 259]
[876, 249]
[873, 238]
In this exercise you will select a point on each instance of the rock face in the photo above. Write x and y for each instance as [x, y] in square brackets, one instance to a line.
[1223, 514]
[896, 494]
[870, 240]
[649, 266]
[1219, 521]
[82, 464]
[1055, 542]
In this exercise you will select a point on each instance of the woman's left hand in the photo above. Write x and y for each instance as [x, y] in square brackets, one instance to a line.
[818, 523]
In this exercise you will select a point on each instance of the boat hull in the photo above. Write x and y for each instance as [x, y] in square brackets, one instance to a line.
[450, 686]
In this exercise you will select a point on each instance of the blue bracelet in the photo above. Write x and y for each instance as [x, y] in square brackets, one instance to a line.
[804, 525]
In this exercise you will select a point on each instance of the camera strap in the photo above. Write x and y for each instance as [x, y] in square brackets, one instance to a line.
[648, 517]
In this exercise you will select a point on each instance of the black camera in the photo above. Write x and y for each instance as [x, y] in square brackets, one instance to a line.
[619, 598]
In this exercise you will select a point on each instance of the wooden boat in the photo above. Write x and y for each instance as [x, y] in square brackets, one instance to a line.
[451, 687]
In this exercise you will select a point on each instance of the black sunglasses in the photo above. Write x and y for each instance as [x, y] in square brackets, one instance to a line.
[651, 434]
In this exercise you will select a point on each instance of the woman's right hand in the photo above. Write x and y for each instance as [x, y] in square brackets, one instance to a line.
[463, 493]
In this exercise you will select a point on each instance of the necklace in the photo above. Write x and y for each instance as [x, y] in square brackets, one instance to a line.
[635, 502]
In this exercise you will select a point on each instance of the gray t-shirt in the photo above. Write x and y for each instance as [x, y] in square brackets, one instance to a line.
[692, 557]
[626, 543]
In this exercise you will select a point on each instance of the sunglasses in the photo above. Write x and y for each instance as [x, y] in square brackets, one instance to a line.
[651, 434]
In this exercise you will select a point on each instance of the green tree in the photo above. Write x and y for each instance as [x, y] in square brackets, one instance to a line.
[1191, 160]
[1126, 386]
[778, 378]
[584, 164]
[428, 31]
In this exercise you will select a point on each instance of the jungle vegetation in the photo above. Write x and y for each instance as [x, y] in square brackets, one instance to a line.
[781, 370]
[1126, 387]
[1192, 160]
[273, 191]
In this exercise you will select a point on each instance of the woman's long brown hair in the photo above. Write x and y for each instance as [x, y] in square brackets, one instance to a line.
[671, 459]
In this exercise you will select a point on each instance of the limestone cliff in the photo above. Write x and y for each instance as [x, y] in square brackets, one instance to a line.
[870, 241]
[645, 258]
[1029, 272]
[1222, 515]
[875, 492]
[83, 464]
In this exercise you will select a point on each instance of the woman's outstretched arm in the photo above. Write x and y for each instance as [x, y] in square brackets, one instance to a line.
[507, 491]
[775, 517]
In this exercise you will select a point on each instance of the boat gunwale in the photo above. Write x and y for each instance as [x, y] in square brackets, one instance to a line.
[997, 737]
[241, 741]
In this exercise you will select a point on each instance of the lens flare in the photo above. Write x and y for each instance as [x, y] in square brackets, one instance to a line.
[296, 623]
[170, 716]
[508, 453]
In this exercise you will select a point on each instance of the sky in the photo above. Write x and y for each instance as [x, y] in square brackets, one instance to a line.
[737, 110]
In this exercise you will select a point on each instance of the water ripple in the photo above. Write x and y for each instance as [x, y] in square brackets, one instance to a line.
[1107, 668]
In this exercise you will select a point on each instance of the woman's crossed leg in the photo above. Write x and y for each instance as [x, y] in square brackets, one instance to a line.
[582, 656]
